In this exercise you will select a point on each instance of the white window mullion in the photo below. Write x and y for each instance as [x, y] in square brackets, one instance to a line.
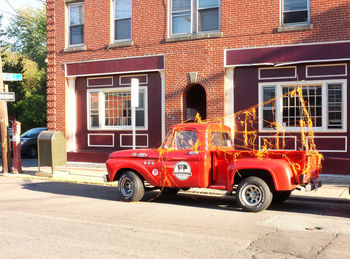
[324, 106]
[101, 107]
[279, 105]
[194, 16]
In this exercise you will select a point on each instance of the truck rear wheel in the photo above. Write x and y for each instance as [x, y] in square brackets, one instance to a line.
[253, 194]
[131, 187]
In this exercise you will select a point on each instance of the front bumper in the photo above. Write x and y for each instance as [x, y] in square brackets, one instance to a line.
[105, 178]
[313, 185]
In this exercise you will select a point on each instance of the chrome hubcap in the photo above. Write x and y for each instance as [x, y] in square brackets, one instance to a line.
[126, 187]
[252, 195]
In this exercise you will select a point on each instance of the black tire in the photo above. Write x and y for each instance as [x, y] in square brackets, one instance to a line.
[253, 194]
[32, 152]
[281, 196]
[169, 191]
[130, 187]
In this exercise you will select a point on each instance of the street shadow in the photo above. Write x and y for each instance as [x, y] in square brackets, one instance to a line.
[72, 189]
[302, 205]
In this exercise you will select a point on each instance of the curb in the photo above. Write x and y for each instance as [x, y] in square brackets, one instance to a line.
[59, 179]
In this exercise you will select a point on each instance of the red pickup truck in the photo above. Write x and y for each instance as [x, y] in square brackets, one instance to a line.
[201, 155]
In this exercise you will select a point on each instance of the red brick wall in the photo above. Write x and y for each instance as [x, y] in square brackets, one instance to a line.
[244, 23]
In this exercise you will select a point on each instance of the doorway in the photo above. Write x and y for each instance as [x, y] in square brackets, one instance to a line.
[195, 101]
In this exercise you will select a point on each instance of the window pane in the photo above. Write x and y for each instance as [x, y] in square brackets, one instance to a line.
[291, 5]
[181, 23]
[140, 118]
[185, 139]
[220, 139]
[295, 17]
[141, 100]
[334, 106]
[269, 107]
[208, 19]
[123, 9]
[76, 34]
[181, 5]
[123, 29]
[268, 118]
[94, 110]
[76, 14]
[208, 3]
[269, 93]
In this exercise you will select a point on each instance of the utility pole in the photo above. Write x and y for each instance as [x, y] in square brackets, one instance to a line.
[3, 128]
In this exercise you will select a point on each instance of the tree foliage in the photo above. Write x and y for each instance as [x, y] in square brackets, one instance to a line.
[27, 32]
[24, 51]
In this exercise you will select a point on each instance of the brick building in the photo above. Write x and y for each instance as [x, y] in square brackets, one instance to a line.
[208, 56]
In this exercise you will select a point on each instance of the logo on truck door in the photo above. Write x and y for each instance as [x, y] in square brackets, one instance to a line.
[182, 171]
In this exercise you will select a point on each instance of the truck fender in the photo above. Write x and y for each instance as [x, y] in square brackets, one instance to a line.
[116, 168]
[279, 172]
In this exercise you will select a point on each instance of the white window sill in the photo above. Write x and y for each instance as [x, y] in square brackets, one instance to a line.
[194, 36]
[306, 130]
[118, 129]
[120, 44]
[75, 48]
[290, 28]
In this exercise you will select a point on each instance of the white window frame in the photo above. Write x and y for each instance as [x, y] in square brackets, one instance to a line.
[295, 23]
[279, 108]
[102, 113]
[68, 24]
[194, 20]
[113, 24]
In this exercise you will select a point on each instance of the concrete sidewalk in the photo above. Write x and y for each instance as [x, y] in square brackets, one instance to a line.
[335, 187]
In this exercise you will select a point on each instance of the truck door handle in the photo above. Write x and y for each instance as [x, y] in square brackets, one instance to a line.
[191, 153]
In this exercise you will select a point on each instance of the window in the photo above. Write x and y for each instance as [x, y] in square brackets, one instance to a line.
[324, 101]
[293, 110]
[182, 140]
[220, 139]
[122, 19]
[112, 109]
[295, 12]
[194, 16]
[76, 24]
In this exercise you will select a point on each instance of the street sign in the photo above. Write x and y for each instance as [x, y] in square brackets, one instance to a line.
[7, 96]
[11, 77]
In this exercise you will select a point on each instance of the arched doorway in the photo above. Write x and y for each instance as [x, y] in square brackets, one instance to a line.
[195, 101]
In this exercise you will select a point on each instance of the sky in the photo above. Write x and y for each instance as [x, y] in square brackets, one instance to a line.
[8, 11]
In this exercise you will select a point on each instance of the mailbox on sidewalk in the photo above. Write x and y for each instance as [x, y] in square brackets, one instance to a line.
[52, 150]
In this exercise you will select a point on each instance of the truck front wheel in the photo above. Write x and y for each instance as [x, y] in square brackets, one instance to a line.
[131, 187]
[253, 194]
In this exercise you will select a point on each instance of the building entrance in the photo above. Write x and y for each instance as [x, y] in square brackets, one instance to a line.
[195, 100]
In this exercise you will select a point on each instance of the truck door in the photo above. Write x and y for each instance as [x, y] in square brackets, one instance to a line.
[181, 161]
[220, 145]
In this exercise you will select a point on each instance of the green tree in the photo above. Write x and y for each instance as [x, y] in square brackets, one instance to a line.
[27, 34]
[24, 51]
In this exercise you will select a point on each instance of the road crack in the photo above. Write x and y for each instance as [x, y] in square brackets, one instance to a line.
[324, 247]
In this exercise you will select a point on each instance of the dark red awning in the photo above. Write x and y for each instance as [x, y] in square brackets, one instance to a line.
[284, 55]
[114, 66]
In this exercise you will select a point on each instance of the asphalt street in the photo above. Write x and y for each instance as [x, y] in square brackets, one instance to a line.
[41, 219]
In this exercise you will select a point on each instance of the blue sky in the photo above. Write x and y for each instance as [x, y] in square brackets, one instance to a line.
[8, 11]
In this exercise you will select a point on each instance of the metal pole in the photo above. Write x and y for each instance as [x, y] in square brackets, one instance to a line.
[4, 135]
[133, 123]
